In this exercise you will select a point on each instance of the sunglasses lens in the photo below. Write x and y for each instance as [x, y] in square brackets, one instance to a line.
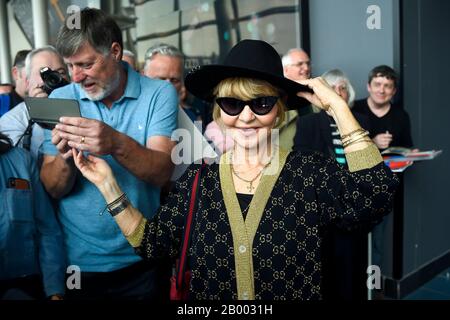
[260, 106]
[230, 106]
[263, 105]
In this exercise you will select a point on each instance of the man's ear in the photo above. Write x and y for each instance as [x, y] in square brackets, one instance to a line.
[116, 51]
[15, 73]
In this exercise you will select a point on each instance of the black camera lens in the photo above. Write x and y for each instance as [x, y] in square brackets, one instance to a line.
[52, 80]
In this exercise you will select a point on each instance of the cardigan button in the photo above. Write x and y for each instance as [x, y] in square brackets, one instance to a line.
[245, 295]
[242, 249]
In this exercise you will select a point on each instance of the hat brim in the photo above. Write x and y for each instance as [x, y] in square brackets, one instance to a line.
[201, 82]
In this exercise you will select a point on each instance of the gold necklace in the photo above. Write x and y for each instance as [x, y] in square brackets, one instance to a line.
[250, 187]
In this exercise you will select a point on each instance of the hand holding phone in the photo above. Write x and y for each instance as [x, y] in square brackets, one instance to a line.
[89, 135]
[61, 144]
[47, 111]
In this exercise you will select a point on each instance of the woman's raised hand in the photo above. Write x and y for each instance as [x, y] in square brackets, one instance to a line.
[324, 96]
[95, 169]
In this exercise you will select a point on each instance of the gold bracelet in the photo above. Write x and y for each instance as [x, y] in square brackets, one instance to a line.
[355, 136]
[350, 133]
[355, 140]
[358, 141]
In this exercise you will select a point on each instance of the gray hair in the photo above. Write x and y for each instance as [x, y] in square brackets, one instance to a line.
[96, 28]
[286, 59]
[164, 50]
[333, 77]
[128, 53]
[34, 52]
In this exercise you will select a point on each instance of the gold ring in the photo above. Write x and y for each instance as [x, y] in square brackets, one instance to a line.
[82, 140]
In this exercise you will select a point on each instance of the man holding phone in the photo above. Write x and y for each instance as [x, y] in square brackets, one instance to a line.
[128, 119]
[16, 122]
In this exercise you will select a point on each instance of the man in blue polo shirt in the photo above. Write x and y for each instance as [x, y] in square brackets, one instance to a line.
[126, 118]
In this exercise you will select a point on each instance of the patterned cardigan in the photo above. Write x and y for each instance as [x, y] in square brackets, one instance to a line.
[275, 253]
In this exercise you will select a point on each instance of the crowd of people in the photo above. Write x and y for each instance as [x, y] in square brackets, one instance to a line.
[281, 215]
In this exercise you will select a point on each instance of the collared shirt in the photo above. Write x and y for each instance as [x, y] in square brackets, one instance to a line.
[93, 240]
[30, 236]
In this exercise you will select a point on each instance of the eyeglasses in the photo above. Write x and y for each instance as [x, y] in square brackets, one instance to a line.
[259, 106]
[300, 63]
[173, 81]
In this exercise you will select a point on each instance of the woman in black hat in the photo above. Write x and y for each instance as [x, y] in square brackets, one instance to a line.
[256, 233]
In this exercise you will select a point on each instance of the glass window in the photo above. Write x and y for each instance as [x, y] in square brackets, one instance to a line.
[206, 30]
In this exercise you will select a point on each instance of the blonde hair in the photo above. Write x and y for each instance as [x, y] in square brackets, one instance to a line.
[246, 89]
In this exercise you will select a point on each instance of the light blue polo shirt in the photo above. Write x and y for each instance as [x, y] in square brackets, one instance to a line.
[93, 240]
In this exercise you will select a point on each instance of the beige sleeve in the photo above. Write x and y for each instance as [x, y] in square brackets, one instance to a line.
[363, 159]
[136, 237]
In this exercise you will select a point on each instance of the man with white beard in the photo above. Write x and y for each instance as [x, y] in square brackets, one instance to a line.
[126, 118]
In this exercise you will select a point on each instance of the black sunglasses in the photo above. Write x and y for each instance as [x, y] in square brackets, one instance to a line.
[259, 106]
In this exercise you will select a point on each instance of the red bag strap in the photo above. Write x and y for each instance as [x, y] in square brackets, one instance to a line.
[188, 229]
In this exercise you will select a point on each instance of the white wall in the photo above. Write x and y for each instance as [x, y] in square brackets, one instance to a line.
[17, 38]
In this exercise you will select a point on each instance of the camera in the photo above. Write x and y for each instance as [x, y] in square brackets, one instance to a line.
[52, 80]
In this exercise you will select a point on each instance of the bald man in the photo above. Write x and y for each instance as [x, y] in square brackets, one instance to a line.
[296, 66]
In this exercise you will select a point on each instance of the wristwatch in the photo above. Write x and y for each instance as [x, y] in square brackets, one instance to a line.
[118, 206]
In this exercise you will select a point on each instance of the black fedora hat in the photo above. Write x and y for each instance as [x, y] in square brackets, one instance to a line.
[247, 59]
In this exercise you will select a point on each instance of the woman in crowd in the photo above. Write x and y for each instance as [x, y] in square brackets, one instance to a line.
[318, 131]
[257, 229]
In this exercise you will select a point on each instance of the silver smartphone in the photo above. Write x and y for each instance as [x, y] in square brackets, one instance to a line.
[47, 111]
